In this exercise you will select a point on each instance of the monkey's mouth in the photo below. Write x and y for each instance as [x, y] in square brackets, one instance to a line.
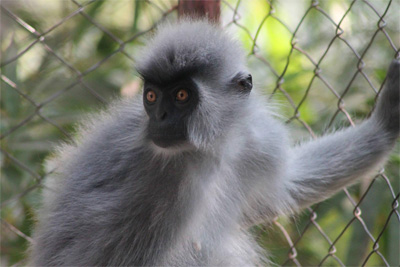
[165, 140]
[166, 135]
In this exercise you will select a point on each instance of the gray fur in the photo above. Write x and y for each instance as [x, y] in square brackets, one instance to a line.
[117, 199]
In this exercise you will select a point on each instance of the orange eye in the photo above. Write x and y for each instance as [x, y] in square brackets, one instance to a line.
[151, 96]
[182, 95]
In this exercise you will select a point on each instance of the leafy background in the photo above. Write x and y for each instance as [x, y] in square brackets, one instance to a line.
[91, 61]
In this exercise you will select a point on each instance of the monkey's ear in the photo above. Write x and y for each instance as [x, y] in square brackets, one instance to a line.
[243, 81]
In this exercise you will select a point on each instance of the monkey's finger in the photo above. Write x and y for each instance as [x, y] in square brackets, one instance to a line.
[388, 109]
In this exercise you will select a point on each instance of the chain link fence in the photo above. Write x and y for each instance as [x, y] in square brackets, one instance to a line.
[323, 62]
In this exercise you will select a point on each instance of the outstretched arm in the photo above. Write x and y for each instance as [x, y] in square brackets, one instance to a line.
[320, 168]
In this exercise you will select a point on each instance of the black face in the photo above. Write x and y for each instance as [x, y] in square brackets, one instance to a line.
[169, 107]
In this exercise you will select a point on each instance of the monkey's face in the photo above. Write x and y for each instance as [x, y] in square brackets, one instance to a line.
[168, 108]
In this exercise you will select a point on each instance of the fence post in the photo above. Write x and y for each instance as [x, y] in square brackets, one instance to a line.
[210, 9]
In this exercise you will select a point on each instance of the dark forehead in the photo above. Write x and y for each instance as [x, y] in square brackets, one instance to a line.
[178, 61]
[164, 70]
[168, 85]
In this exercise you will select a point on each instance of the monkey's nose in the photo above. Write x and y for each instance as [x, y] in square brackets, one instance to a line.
[161, 115]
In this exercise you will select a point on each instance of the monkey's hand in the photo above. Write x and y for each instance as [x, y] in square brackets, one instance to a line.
[387, 113]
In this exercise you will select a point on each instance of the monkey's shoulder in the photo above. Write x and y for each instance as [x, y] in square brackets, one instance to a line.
[265, 134]
[261, 145]
[106, 143]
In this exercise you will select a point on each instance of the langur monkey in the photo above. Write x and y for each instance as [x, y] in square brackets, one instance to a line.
[176, 177]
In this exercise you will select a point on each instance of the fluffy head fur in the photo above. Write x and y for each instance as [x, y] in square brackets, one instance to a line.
[194, 48]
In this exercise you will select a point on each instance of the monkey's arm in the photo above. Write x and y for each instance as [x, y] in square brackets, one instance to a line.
[320, 168]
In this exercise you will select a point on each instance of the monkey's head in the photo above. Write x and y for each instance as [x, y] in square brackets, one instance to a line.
[195, 84]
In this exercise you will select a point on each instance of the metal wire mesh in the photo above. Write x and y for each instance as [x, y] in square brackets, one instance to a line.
[334, 44]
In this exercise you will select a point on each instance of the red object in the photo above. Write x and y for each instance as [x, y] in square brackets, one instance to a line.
[210, 9]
